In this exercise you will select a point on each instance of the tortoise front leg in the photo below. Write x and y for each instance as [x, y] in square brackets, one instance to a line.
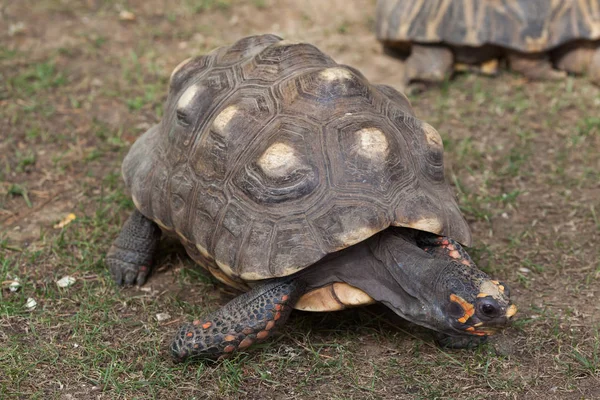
[130, 256]
[249, 318]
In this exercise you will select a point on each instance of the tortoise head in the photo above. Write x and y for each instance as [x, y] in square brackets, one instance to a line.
[439, 291]
[469, 302]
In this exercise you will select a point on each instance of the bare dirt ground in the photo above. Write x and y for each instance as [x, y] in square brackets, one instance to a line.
[81, 80]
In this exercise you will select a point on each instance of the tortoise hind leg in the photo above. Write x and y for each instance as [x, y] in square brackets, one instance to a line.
[130, 256]
[534, 66]
[429, 63]
[580, 58]
[247, 319]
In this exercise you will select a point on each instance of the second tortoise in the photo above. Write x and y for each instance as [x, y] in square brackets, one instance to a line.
[541, 39]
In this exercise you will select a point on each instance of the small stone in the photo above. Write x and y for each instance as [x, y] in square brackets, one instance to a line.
[16, 28]
[30, 304]
[65, 281]
[96, 82]
[14, 286]
[504, 215]
[125, 15]
[524, 270]
[160, 317]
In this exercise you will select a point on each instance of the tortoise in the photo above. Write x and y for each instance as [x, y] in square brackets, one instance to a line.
[436, 37]
[293, 179]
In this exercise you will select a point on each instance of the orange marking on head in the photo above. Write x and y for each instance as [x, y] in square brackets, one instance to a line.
[512, 310]
[285, 297]
[262, 334]
[196, 322]
[495, 282]
[277, 316]
[189, 334]
[270, 325]
[470, 329]
[466, 306]
[207, 325]
[278, 307]
[247, 331]
[501, 288]
[229, 338]
[454, 254]
[229, 349]
[482, 295]
[245, 343]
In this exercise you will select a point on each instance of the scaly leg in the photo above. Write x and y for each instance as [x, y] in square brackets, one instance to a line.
[536, 67]
[429, 63]
[249, 318]
[130, 256]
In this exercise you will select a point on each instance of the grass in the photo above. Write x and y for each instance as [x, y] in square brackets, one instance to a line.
[526, 177]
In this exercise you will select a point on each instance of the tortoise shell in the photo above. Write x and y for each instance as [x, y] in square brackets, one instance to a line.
[270, 156]
[522, 25]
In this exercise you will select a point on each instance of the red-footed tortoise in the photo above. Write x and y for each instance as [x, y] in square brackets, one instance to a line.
[437, 36]
[293, 178]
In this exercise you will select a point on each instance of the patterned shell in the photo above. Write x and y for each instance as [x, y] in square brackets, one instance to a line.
[523, 25]
[271, 156]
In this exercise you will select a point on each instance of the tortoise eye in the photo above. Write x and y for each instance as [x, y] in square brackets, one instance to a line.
[489, 308]
[183, 118]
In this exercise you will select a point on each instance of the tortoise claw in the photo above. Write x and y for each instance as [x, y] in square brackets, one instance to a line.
[131, 254]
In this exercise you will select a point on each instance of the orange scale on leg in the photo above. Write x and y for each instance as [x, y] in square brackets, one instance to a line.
[229, 349]
[262, 335]
[245, 343]
[270, 325]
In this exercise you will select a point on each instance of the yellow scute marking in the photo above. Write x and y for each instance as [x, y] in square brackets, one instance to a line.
[334, 74]
[179, 66]
[431, 135]
[187, 96]
[432, 225]
[372, 144]
[203, 251]
[278, 161]
[223, 119]
[349, 237]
